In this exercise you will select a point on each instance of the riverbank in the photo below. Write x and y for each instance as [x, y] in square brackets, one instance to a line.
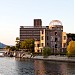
[50, 58]
[55, 58]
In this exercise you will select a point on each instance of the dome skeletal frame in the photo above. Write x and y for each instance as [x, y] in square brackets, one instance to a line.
[55, 22]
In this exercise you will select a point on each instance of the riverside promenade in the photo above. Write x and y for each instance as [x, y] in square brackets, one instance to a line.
[56, 58]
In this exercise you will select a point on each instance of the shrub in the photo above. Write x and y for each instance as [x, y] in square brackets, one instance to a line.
[46, 51]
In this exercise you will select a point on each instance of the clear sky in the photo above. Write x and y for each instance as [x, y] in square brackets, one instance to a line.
[16, 13]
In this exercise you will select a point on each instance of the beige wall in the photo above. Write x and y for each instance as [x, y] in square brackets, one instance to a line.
[64, 40]
[36, 48]
[42, 40]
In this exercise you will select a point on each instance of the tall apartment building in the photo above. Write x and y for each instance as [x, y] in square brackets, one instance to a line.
[31, 32]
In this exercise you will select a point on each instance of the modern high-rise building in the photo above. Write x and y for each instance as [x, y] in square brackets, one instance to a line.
[31, 32]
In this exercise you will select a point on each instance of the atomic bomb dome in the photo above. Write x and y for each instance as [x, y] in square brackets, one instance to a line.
[55, 23]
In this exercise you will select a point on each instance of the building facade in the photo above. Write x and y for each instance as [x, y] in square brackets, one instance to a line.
[52, 36]
[45, 36]
[31, 32]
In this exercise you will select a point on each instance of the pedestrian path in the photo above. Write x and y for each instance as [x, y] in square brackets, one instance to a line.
[56, 58]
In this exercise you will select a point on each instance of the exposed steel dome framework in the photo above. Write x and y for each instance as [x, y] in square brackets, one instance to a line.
[55, 22]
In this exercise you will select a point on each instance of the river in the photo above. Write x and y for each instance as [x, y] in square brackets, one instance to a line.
[16, 66]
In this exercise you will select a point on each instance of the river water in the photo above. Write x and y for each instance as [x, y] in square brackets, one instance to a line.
[14, 66]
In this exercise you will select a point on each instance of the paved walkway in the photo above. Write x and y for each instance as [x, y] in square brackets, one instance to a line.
[56, 58]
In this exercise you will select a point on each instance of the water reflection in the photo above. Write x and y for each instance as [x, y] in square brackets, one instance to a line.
[70, 68]
[53, 68]
[46, 68]
[12, 66]
[63, 69]
[25, 66]
[39, 67]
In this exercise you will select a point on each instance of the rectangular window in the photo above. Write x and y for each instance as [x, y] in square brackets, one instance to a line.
[42, 44]
[55, 33]
[56, 39]
[55, 45]
[64, 44]
[42, 37]
[42, 32]
[38, 51]
[64, 37]
[38, 45]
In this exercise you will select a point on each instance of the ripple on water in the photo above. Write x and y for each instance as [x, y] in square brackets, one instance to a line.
[11, 66]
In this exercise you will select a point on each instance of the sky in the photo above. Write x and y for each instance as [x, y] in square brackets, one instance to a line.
[16, 13]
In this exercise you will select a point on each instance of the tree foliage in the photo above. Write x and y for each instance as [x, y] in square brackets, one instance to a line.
[10, 48]
[17, 39]
[17, 43]
[7, 47]
[13, 48]
[28, 44]
[71, 48]
[46, 51]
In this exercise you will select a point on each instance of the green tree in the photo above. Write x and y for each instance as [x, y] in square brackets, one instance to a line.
[17, 39]
[13, 48]
[17, 43]
[8, 48]
[71, 48]
[28, 44]
[46, 51]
